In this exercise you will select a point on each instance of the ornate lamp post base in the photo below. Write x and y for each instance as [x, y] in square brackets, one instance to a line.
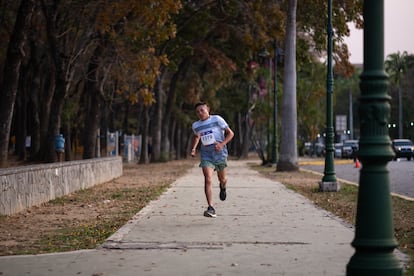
[329, 186]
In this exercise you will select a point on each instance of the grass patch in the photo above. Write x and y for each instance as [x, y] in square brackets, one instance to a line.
[86, 218]
[78, 237]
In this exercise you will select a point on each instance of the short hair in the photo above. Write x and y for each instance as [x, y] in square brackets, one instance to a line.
[198, 104]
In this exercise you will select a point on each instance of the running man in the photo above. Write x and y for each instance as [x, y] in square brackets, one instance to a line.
[214, 133]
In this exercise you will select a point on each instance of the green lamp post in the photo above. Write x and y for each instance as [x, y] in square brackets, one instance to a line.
[265, 55]
[329, 182]
[374, 240]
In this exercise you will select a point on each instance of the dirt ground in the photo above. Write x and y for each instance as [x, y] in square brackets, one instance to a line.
[85, 218]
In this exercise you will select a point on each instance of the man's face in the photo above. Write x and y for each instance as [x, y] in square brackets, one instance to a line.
[203, 112]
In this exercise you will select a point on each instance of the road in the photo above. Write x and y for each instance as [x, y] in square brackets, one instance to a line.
[401, 173]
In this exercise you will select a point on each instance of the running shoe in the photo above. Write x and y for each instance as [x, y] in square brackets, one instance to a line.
[210, 212]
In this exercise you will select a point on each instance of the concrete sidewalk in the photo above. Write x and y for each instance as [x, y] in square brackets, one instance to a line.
[261, 229]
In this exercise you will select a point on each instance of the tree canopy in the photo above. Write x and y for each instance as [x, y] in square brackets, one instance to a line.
[139, 66]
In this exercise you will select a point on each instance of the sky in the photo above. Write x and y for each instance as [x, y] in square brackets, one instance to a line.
[398, 19]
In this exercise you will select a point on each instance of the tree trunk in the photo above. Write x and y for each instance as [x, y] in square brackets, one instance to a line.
[93, 102]
[157, 123]
[247, 133]
[187, 136]
[237, 140]
[288, 160]
[21, 115]
[166, 119]
[35, 103]
[174, 145]
[59, 92]
[15, 55]
[54, 118]
[170, 102]
[48, 85]
[145, 134]
[20, 127]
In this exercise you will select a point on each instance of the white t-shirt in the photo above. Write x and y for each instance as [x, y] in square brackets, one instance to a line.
[211, 131]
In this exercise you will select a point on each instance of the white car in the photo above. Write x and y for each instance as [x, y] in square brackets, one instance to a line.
[403, 148]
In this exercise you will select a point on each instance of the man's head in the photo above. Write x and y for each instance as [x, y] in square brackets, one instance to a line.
[198, 104]
[202, 110]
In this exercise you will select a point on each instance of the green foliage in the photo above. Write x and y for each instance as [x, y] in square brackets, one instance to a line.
[400, 68]
[312, 27]
[136, 30]
[206, 45]
[311, 100]
[396, 66]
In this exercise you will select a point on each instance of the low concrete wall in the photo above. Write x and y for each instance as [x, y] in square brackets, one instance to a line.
[23, 187]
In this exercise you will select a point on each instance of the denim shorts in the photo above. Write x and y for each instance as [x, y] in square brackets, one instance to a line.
[219, 166]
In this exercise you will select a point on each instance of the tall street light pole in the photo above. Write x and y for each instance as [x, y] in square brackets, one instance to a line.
[329, 182]
[374, 240]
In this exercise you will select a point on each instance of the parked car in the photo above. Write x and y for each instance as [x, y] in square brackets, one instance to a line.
[312, 149]
[319, 149]
[403, 148]
[338, 150]
[308, 149]
[349, 148]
